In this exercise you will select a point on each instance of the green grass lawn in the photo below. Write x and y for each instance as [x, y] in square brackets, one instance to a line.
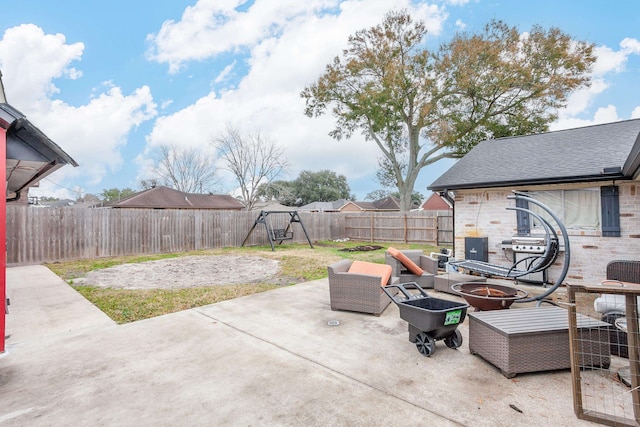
[298, 263]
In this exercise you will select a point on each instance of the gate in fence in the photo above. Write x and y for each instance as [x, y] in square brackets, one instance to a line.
[445, 230]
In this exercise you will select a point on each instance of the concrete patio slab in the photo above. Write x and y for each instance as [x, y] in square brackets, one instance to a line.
[265, 359]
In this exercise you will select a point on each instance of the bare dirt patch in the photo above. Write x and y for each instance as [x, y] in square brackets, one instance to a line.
[185, 272]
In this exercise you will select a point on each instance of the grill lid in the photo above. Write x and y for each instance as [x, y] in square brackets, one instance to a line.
[532, 243]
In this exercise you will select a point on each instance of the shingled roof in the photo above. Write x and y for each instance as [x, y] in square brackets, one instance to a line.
[168, 198]
[324, 206]
[593, 153]
[31, 155]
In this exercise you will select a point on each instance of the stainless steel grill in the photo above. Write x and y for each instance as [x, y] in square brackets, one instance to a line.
[533, 244]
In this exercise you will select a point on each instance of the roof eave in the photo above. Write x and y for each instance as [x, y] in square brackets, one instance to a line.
[632, 165]
[530, 182]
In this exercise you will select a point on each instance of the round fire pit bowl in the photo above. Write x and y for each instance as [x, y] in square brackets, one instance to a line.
[488, 296]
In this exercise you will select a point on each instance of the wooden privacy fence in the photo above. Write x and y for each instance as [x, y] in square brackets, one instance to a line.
[36, 235]
[409, 227]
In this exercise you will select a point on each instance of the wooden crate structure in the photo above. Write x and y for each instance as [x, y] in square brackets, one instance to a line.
[605, 396]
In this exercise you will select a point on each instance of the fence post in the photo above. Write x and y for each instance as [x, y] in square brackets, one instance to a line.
[406, 232]
[372, 229]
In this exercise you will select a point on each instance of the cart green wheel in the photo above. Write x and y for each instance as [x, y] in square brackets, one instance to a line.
[454, 340]
[425, 344]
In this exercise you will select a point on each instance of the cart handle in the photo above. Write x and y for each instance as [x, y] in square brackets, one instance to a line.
[402, 288]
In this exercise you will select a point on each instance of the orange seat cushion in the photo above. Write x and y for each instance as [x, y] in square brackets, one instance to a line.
[409, 265]
[372, 269]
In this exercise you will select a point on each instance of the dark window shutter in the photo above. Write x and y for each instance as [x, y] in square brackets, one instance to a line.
[610, 204]
[523, 219]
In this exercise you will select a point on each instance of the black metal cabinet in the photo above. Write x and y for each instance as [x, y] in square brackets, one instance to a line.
[476, 248]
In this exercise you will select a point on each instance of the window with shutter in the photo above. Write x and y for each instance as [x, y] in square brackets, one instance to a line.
[610, 203]
[522, 218]
[578, 209]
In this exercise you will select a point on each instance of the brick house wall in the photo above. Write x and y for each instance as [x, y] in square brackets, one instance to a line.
[482, 213]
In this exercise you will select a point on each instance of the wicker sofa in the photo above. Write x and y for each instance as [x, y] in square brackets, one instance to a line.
[424, 262]
[358, 287]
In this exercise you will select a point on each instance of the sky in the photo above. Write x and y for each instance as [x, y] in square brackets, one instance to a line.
[110, 82]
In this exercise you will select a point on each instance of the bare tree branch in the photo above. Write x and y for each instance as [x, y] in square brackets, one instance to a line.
[253, 159]
[186, 169]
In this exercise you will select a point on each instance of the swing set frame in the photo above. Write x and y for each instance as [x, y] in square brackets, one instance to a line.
[278, 234]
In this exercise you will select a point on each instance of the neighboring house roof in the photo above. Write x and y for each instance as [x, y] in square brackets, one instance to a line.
[389, 203]
[435, 203]
[324, 206]
[593, 153]
[31, 155]
[365, 206]
[56, 204]
[272, 207]
[168, 198]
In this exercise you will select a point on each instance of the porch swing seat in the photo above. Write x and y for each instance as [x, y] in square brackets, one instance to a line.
[281, 234]
[278, 234]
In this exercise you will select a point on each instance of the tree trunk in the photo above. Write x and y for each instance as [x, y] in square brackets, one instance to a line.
[405, 191]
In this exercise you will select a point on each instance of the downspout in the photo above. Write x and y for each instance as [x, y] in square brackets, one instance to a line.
[447, 196]
[14, 199]
[3, 242]
[4, 302]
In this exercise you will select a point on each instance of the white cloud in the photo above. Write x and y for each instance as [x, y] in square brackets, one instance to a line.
[25, 78]
[290, 51]
[631, 45]
[609, 60]
[580, 100]
[606, 114]
[608, 63]
[225, 73]
[212, 27]
[94, 133]
[635, 114]
[165, 104]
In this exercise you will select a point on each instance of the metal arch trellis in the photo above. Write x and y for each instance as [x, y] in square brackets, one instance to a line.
[278, 234]
[536, 263]
[565, 240]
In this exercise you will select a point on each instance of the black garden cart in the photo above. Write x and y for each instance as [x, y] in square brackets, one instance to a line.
[430, 319]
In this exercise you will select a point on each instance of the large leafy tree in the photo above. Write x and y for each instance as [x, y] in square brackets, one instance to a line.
[420, 106]
[321, 186]
[308, 187]
[280, 191]
[113, 194]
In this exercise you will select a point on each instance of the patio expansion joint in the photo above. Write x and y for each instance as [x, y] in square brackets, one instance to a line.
[315, 362]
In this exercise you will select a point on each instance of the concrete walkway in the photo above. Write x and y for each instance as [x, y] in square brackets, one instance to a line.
[265, 359]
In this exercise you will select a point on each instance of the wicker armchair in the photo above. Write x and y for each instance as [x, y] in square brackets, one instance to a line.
[426, 263]
[359, 292]
[613, 306]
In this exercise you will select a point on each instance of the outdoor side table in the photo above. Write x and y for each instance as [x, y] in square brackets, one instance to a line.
[533, 339]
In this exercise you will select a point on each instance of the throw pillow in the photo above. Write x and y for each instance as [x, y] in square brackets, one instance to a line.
[408, 264]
